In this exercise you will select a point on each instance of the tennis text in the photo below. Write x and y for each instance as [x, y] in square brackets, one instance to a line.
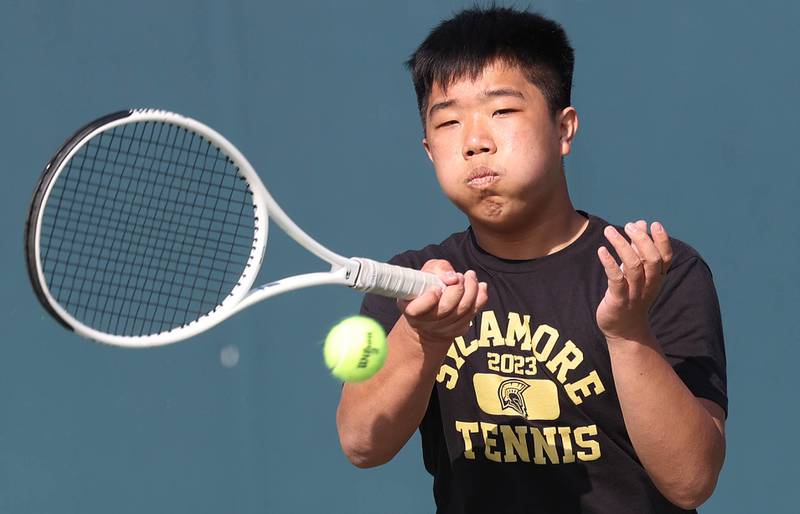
[539, 445]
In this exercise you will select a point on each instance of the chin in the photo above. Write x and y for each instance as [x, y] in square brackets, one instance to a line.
[500, 217]
[493, 210]
[497, 218]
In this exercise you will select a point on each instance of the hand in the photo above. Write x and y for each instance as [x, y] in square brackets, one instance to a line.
[440, 315]
[633, 286]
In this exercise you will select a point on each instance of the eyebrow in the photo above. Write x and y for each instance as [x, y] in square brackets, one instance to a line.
[491, 93]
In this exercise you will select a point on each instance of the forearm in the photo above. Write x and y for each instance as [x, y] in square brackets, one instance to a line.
[675, 437]
[377, 417]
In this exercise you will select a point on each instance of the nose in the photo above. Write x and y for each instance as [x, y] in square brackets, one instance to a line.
[478, 141]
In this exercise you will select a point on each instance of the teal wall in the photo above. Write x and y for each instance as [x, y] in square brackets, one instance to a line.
[689, 114]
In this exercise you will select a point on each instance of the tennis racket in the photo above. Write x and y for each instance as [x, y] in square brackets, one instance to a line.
[148, 227]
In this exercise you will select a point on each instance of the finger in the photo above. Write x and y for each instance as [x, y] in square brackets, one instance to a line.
[467, 303]
[451, 296]
[648, 253]
[443, 269]
[466, 309]
[617, 285]
[456, 327]
[661, 240]
[641, 225]
[421, 306]
[460, 324]
[483, 297]
[631, 263]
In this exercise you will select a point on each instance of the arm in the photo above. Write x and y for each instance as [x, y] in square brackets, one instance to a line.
[375, 418]
[678, 437]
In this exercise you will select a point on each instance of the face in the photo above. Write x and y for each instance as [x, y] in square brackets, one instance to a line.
[496, 148]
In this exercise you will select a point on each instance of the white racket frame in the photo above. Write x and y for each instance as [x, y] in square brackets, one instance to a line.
[359, 273]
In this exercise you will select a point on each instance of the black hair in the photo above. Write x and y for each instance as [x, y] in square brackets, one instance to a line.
[474, 38]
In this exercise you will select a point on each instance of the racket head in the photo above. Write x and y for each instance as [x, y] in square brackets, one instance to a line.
[146, 227]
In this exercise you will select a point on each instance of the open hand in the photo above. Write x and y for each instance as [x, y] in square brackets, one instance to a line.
[633, 286]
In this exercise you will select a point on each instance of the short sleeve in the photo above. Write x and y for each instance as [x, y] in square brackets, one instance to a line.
[686, 321]
[381, 309]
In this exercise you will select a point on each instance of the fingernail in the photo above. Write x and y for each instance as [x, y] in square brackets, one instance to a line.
[450, 275]
[658, 227]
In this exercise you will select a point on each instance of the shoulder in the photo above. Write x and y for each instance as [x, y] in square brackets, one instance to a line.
[447, 249]
[683, 254]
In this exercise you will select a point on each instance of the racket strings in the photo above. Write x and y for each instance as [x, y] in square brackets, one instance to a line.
[146, 166]
[161, 268]
[97, 295]
[147, 228]
[59, 226]
[146, 300]
[98, 191]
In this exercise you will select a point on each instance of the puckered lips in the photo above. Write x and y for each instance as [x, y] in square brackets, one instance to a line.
[482, 177]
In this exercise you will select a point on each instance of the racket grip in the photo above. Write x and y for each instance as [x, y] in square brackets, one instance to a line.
[393, 281]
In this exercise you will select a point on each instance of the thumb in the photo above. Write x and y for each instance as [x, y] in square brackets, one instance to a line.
[443, 269]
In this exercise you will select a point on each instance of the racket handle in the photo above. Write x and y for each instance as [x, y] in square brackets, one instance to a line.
[393, 281]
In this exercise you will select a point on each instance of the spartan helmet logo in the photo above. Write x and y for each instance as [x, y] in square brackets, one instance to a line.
[510, 393]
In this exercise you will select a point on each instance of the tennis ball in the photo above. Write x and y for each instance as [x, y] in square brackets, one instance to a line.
[355, 349]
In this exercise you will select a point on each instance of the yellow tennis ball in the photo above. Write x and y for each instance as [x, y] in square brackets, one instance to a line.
[355, 349]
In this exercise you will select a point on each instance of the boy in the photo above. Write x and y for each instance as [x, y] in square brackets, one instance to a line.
[565, 367]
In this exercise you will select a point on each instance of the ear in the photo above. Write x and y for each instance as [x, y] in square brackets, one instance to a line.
[427, 148]
[567, 127]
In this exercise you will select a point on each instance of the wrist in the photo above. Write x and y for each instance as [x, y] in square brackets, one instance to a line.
[634, 341]
[636, 332]
[429, 344]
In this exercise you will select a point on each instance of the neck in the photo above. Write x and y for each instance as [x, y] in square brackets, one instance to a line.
[545, 231]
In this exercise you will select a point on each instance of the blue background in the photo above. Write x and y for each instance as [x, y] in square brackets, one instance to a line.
[689, 114]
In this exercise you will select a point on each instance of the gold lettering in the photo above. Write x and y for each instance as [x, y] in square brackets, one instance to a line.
[591, 445]
[566, 445]
[516, 444]
[446, 371]
[567, 359]
[466, 350]
[552, 336]
[453, 354]
[519, 330]
[530, 368]
[466, 429]
[544, 442]
[582, 386]
[490, 442]
[490, 330]
[493, 361]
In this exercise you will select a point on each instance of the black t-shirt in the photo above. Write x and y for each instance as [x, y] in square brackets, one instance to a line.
[524, 417]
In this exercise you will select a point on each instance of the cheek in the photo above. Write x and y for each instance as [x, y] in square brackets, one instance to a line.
[448, 181]
[531, 144]
[446, 161]
[447, 149]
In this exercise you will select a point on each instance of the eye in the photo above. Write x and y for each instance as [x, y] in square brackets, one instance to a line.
[446, 123]
[502, 112]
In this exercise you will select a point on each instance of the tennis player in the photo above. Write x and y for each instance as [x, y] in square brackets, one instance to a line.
[570, 365]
